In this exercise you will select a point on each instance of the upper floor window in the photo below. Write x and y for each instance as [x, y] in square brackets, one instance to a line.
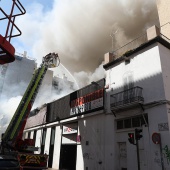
[132, 122]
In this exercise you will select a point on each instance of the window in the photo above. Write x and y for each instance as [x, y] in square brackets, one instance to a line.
[29, 134]
[120, 124]
[132, 122]
[127, 123]
[136, 122]
[35, 134]
[44, 136]
[52, 135]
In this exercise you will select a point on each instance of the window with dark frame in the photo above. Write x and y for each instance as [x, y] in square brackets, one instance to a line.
[52, 136]
[120, 124]
[35, 134]
[127, 123]
[136, 122]
[44, 136]
[132, 122]
[29, 135]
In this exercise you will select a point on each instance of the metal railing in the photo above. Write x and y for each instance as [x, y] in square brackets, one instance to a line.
[138, 42]
[132, 95]
[130, 46]
[11, 19]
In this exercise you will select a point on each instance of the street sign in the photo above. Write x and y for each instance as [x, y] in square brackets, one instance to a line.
[156, 138]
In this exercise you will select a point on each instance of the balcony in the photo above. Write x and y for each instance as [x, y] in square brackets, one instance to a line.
[127, 99]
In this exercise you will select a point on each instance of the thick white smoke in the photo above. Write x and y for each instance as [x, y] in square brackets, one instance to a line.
[79, 30]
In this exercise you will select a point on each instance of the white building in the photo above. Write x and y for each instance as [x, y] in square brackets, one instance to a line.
[139, 97]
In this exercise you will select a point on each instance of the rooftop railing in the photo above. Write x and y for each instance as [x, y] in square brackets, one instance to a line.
[138, 41]
[130, 46]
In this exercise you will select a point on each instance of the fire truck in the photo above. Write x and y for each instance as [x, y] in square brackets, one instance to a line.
[12, 141]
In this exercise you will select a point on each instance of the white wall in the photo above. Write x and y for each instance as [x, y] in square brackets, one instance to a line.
[150, 70]
[99, 152]
[165, 64]
[57, 146]
[38, 140]
[47, 141]
[146, 71]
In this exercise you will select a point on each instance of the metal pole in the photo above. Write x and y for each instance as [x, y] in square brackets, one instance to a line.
[138, 158]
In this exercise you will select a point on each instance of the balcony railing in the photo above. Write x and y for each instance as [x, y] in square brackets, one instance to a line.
[130, 45]
[127, 98]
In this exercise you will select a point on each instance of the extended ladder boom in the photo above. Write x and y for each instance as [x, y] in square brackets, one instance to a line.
[15, 128]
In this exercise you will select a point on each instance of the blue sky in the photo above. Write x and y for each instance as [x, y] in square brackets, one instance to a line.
[6, 5]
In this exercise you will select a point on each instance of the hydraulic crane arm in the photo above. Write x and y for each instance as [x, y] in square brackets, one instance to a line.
[15, 128]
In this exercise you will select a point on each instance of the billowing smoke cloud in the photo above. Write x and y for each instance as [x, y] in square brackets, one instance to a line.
[80, 30]
[7, 108]
[9, 99]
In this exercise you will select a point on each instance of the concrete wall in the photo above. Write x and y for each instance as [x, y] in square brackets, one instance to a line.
[164, 16]
[146, 71]
[56, 155]
[96, 150]
[149, 69]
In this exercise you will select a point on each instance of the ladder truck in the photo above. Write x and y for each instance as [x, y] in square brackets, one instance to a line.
[12, 142]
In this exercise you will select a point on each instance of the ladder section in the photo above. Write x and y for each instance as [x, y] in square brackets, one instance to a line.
[17, 124]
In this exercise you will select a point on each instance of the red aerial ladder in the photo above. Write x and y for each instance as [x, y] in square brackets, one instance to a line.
[7, 51]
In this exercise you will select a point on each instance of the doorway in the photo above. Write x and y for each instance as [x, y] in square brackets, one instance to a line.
[68, 157]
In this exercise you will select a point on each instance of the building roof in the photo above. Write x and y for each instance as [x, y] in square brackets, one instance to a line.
[160, 39]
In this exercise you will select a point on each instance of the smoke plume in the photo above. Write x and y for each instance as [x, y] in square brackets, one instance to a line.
[80, 30]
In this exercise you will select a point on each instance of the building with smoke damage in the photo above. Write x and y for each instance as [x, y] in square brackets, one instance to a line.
[120, 122]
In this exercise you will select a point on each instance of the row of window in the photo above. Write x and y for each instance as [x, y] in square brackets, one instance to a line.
[44, 135]
[132, 122]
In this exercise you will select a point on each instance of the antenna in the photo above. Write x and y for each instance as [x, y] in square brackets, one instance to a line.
[112, 34]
